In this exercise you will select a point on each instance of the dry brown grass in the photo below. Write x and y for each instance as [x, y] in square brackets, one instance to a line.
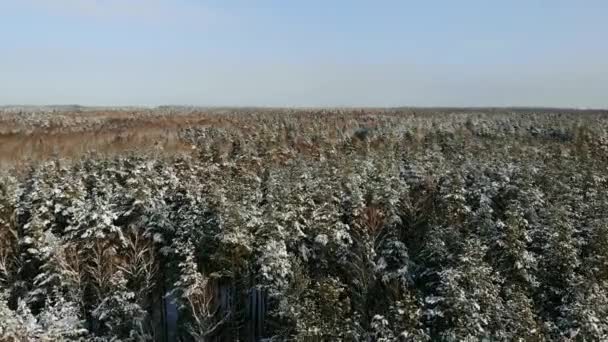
[103, 132]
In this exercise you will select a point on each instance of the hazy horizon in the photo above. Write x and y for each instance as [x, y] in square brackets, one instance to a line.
[118, 107]
[304, 54]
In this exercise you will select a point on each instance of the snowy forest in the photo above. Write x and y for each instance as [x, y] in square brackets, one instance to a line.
[316, 225]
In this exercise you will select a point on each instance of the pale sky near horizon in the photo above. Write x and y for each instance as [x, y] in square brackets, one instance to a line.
[305, 53]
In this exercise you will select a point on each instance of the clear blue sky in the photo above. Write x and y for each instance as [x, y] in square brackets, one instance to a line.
[304, 53]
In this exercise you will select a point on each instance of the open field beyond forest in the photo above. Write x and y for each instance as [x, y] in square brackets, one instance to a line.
[303, 225]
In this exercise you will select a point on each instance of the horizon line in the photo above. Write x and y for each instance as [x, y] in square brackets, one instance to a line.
[67, 106]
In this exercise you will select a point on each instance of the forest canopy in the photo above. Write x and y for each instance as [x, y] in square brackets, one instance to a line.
[320, 225]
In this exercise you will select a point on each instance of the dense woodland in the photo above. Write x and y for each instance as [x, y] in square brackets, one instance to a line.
[324, 225]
